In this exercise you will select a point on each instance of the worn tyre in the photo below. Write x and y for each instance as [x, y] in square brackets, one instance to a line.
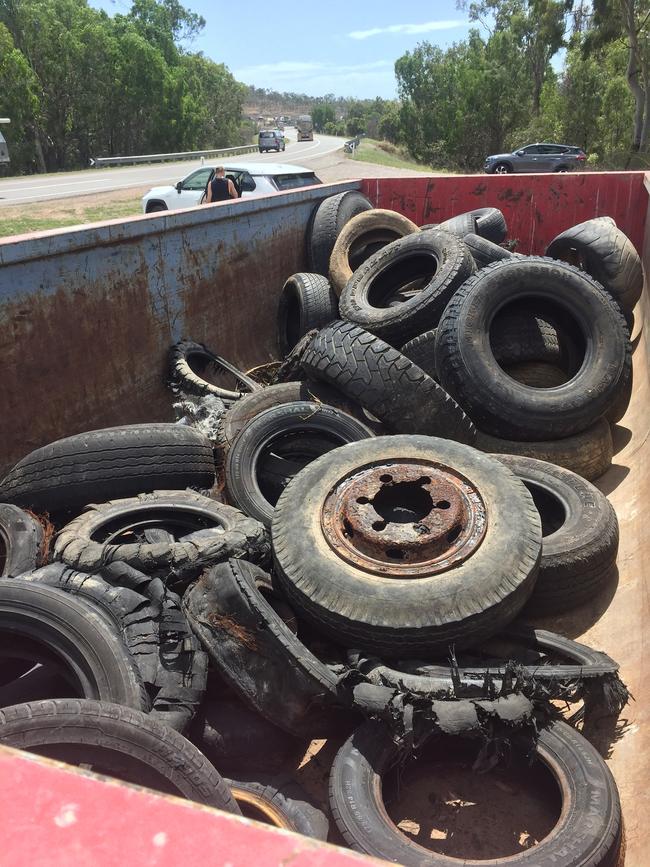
[421, 350]
[327, 223]
[580, 534]
[68, 636]
[257, 654]
[281, 803]
[585, 835]
[190, 364]
[497, 403]
[148, 618]
[22, 541]
[491, 224]
[484, 252]
[536, 374]
[385, 382]
[357, 554]
[365, 234]
[171, 534]
[114, 462]
[460, 225]
[530, 333]
[602, 250]
[589, 454]
[250, 406]
[278, 443]
[307, 301]
[421, 272]
[118, 742]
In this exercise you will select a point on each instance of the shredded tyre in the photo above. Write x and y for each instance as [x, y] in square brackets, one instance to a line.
[147, 616]
[196, 532]
[189, 363]
[22, 541]
[256, 653]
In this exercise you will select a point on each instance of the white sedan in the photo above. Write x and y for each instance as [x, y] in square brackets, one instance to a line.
[250, 179]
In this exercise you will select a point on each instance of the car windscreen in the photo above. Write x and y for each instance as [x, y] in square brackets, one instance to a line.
[290, 182]
[267, 135]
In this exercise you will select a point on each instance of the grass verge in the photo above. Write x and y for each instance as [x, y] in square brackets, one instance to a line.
[386, 154]
[49, 215]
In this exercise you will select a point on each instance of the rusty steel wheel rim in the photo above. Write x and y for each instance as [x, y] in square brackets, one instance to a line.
[404, 519]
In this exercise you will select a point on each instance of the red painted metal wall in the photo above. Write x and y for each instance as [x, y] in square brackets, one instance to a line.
[536, 207]
[52, 816]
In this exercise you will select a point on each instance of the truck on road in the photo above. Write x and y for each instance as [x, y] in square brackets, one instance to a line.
[305, 127]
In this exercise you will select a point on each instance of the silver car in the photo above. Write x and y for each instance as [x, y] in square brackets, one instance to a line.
[250, 179]
[540, 157]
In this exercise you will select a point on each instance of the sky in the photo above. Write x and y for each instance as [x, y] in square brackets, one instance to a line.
[333, 46]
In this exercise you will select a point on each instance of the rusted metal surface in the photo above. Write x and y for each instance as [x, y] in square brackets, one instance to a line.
[87, 315]
[536, 207]
[405, 519]
[54, 816]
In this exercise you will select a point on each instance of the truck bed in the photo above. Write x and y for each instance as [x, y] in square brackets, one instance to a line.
[87, 315]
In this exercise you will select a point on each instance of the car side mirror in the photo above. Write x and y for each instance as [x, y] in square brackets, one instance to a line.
[519, 153]
[179, 186]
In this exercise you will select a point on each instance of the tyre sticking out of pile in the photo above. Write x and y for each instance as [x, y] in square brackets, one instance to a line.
[350, 549]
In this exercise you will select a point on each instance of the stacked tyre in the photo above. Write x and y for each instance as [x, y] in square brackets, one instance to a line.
[348, 549]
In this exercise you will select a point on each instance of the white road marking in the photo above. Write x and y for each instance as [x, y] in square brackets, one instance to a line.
[34, 189]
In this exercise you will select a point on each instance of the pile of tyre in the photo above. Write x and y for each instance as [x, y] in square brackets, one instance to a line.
[351, 552]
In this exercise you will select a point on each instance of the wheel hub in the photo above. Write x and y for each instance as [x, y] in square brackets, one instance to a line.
[404, 519]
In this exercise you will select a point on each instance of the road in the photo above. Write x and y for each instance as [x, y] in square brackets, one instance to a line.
[64, 185]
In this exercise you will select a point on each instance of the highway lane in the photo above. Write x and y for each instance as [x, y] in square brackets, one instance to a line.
[36, 188]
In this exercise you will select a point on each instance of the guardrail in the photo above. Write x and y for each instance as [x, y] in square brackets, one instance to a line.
[98, 162]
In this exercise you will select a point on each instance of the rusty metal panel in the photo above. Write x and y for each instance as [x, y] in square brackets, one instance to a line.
[87, 315]
[536, 207]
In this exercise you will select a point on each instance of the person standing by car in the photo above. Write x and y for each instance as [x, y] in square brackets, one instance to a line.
[220, 188]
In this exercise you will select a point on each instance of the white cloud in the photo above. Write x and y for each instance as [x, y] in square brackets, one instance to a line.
[361, 79]
[409, 29]
[297, 70]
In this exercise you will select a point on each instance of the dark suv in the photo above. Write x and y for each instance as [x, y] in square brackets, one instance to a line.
[540, 157]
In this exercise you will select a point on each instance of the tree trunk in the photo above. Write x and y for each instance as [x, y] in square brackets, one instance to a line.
[38, 148]
[633, 69]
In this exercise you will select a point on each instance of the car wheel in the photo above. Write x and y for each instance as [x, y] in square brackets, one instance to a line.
[155, 207]
[561, 169]
[502, 169]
